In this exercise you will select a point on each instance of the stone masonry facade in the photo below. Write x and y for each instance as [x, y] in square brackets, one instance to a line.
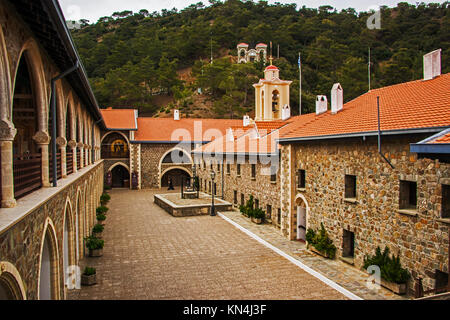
[419, 237]
[261, 187]
[21, 243]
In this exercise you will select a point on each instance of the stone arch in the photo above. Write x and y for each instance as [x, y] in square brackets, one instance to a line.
[49, 276]
[175, 149]
[11, 282]
[69, 241]
[86, 211]
[301, 210]
[171, 168]
[30, 51]
[111, 132]
[119, 175]
[5, 82]
[80, 224]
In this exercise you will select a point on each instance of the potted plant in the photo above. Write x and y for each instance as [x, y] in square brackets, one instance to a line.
[95, 246]
[102, 210]
[104, 199]
[320, 243]
[97, 230]
[258, 216]
[247, 209]
[89, 276]
[101, 219]
[393, 276]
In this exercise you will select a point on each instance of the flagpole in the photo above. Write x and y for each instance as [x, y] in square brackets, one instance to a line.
[300, 84]
[368, 67]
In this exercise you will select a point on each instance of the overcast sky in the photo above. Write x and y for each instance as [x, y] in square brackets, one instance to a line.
[94, 9]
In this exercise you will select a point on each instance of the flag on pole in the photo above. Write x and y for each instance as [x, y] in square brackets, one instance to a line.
[299, 62]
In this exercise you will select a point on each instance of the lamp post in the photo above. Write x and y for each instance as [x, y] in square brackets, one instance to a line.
[213, 176]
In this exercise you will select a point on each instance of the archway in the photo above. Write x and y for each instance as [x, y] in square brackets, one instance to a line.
[115, 146]
[120, 176]
[48, 274]
[11, 285]
[69, 247]
[302, 217]
[176, 174]
[79, 226]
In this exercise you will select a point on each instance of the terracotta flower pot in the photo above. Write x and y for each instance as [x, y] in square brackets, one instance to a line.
[96, 252]
[88, 280]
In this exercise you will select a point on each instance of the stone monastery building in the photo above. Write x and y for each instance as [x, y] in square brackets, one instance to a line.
[374, 171]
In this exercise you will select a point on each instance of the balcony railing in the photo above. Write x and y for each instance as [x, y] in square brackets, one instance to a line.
[69, 161]
[27, 174]
[58, 167]
[78, 160]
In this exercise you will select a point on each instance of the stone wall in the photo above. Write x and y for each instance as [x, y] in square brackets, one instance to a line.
[21, 243]
[151, 155]
[420, 237]
[260, 187]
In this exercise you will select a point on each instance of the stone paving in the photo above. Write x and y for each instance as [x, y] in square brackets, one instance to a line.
[149, 254]
[341, 273]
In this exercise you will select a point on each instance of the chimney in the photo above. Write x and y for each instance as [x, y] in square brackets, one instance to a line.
[176, 114]
[246, 121]
[337, 98]
[321, 104]
[432, 64]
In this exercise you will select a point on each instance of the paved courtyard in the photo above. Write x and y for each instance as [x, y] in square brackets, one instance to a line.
[149, 254]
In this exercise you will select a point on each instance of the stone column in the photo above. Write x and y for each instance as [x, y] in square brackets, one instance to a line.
[7, 134]
[62, 143]
[42, 139]
[73, 147]
[80, 146]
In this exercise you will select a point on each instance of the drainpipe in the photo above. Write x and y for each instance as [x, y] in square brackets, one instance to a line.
[53, 110]
[379, 136]
[222, 180]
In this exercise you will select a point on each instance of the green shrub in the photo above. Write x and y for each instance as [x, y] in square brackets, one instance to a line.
[321, 241]
[390, 267]
[98, 228]
[101, 217]
[106, 187]
[102, 210]
[104, 198]
[247, 210]
[258, 213]
[88, 271]
[93, 243]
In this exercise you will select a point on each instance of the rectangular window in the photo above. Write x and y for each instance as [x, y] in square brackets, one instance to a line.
[235, 200]
[348, 244]
[269, 212]
[279, 216]
[408, 195]
[445, 201]
[238, 169]
[218, 167]
[350, 186]
[242, 199]
[228, 168]
[273, 174]
[256, 203]
[301, 179]
[253, 171]
[211, 165]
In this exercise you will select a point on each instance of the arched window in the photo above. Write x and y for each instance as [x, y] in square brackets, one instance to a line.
[114, 146]
[27, 164]
[275, 100]
[177, 157]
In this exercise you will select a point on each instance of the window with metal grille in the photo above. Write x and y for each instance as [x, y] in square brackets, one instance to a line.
[408, 195]
[350, 186]
[445, 201]
[301, 179]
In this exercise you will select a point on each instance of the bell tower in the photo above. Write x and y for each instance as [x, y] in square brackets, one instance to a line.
[271, 96]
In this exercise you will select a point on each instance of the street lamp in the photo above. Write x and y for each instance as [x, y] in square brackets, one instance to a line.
[213, 176]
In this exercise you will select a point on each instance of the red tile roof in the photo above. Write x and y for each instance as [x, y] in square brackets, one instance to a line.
[261, 45]
[411, 105]
[185, 129]
[443, 139]
[271, 67]
[119, 118]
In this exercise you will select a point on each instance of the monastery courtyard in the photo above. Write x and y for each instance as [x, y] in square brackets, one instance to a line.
[150, 254]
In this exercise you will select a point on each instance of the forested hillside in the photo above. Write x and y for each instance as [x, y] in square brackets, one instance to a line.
[132, 58]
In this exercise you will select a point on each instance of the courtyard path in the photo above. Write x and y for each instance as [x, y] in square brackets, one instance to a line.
[149, 254]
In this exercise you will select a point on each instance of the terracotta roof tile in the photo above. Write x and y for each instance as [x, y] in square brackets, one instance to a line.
[185, 129]
[120, 118]
[410, 105]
